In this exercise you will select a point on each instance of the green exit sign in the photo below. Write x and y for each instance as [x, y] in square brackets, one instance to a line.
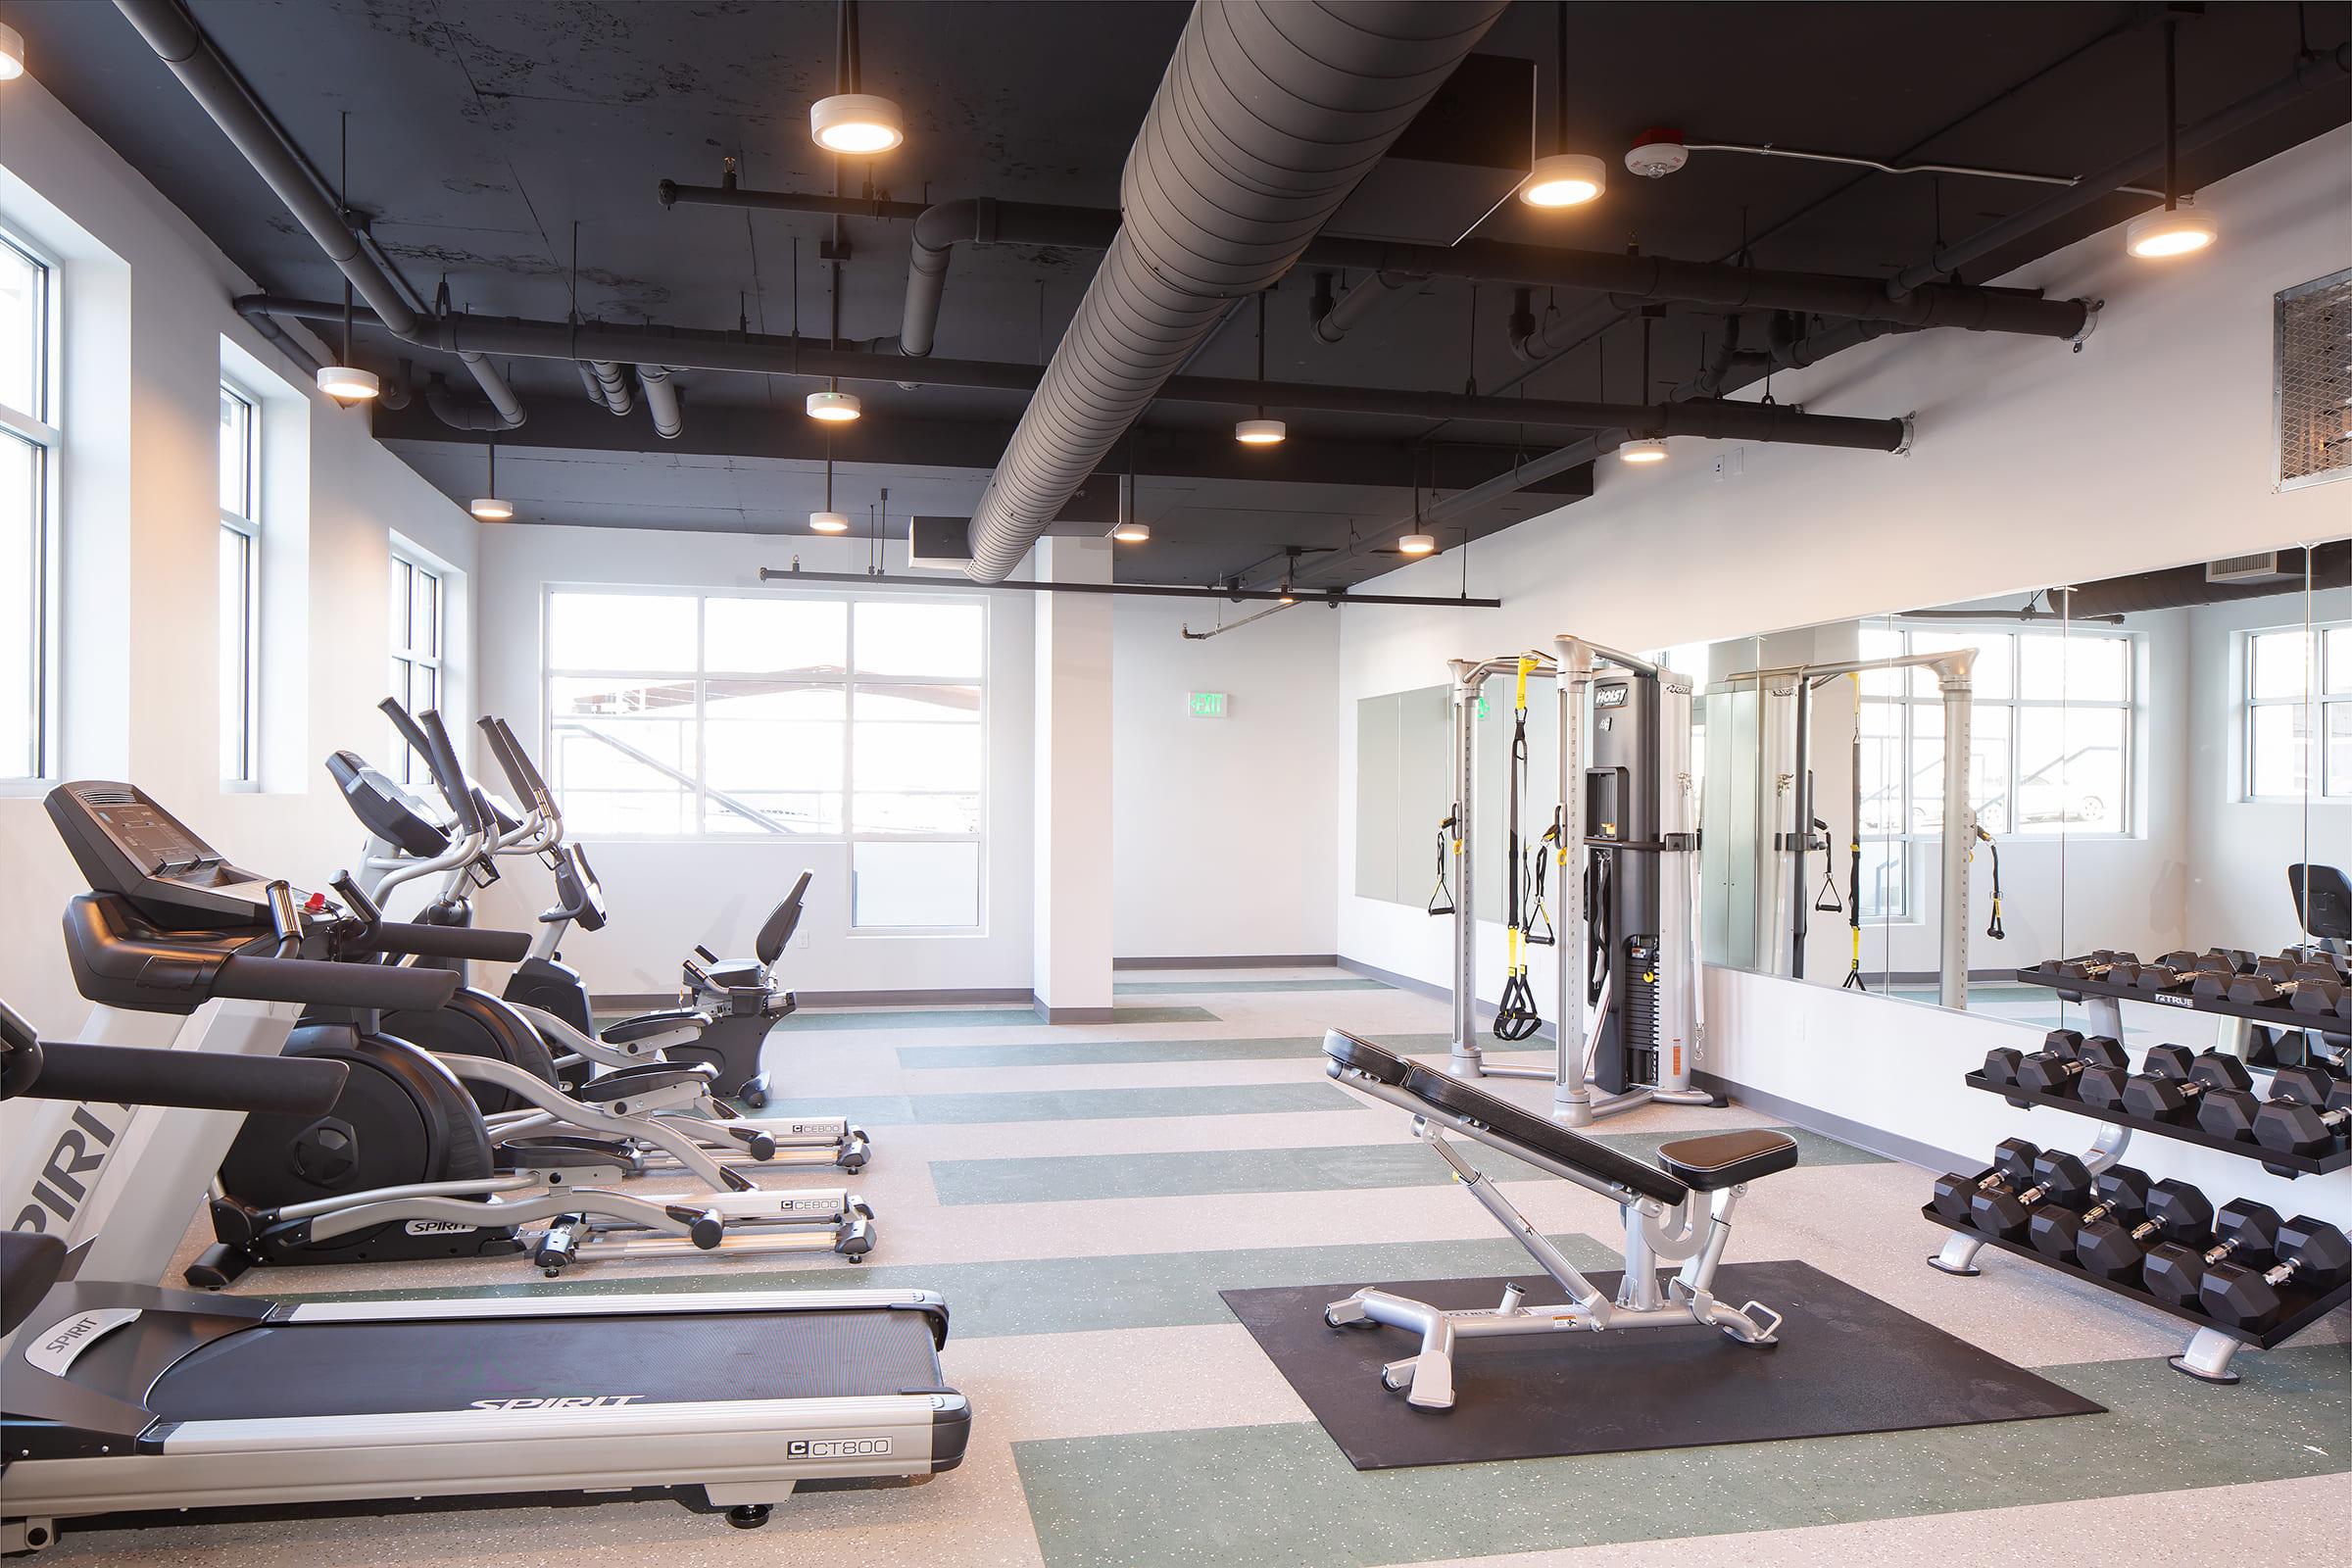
[1208, 704]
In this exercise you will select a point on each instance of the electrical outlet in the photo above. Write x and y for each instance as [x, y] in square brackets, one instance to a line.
[1727, 463]
[799, 938]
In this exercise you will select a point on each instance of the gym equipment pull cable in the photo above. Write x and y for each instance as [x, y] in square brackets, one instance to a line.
[1994, 929]
[1516, 1018]
[1854, 847]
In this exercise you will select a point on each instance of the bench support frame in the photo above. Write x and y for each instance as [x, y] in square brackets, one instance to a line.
[1653, 1232]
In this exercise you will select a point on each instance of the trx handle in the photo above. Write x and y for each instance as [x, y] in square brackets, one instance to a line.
[1516, 1018]
[1995, 929]
[1441, 898]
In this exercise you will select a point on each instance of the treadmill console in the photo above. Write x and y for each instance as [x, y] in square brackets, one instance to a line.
[389, 811]
[123, 842]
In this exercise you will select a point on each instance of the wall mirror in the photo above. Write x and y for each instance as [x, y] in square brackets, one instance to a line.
[2145, 757]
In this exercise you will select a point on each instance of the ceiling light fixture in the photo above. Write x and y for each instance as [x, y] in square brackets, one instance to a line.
[1261, 432]
[1132, 533]
[828, 521]
[343, 381]
[1418, 544]
[835, 408]
[12, 53]
[2171, 229]
[854, 123]
[1649, 449]
[487, 507]
[1562, 178]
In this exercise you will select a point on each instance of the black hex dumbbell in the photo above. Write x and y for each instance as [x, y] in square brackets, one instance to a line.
[2246, 1232]
[2122, 1197]
[2312, 1128]
[2005, 1213]
[2171, 1080]
[2012, 1168]
[2114, 1251]
[2051, 1071]
[2229, 1112]
[2003, 1063]
[2313, 1255]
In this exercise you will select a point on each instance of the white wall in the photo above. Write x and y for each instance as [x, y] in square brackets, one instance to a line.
[1221, 832]
[668, 894]
[146, 299]
[2033, 466]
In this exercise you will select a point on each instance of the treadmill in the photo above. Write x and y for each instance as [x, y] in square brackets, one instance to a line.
[119, 1396]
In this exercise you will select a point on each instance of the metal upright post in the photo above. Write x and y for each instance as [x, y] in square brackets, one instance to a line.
[1463, 1055]
[1571, 1096]
[1954, 673]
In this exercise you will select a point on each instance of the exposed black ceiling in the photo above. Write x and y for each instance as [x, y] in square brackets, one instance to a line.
[482, 132]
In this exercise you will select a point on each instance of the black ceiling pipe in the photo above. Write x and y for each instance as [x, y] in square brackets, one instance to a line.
[766, 355]
[1370, 295]
[222, 94]
[1395, 269]
[2180, 587]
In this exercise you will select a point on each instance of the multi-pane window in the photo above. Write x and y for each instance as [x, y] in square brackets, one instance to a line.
[419, 616]
[2299, 713]
[807, 716]
[28, 443]
[2051, 743]
[240, 585]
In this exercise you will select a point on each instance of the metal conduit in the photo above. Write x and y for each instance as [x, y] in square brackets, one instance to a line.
[613, 387]
[216, 88]
[662, 401]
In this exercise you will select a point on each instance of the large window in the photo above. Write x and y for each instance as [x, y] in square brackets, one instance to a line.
[240, 584]
[851, 717]
[2298, 685]
[418, 620]
[28, 443]
[2050, 744]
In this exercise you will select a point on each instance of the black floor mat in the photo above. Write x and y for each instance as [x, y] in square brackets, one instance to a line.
[1846, 1362]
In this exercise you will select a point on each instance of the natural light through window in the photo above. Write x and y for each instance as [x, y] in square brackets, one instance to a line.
[803, 717]
[28, 443]
[240, 583]
[2298, 687]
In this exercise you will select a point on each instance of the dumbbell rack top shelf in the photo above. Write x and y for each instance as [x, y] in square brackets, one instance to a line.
[2301, 1310]
[2270, 1015]
[2278, 1164]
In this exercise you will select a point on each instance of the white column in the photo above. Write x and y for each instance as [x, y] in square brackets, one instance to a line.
[1071, 922]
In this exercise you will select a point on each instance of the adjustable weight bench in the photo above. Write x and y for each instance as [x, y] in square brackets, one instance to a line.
[1657, 1202]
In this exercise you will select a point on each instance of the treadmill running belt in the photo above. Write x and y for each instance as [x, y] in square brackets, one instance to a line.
[292, 1369]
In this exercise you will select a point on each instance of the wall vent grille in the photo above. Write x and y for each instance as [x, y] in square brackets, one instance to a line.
[2313, 391]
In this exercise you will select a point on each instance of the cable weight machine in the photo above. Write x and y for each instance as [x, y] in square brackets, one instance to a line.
[1624, 839]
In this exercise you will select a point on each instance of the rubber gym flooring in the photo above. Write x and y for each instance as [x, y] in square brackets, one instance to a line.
[1081, 1195]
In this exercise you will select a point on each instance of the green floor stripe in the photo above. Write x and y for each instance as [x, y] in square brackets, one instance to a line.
[970, 1018]
[1203, 1173]
[1177, 988]
[1123, 1053]
[1073, 1104]
[1063, 1294]
[1284, 1493]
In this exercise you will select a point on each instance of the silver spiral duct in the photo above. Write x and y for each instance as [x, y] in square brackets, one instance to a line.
[1269, 115]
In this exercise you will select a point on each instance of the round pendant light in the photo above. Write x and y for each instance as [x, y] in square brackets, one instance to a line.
[836, 408]
[1564, 179]
[1260, 432]
[857, 124]
[2181, 231]
[828, 523]
[491, 509]
[1418, 544]
[348, 383]
[1132, 533]
[1645, 451]
[12, 53]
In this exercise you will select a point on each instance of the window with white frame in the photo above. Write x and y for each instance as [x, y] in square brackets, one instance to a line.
[240, 585]
[2299, 713]
[2052, 736]
[844, 716]
[28, 447]
[419, 615]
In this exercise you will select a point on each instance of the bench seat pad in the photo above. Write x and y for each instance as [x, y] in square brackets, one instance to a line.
[1726, 1160]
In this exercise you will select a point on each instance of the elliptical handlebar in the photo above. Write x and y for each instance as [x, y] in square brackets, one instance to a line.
[371, 986]
[448, 773]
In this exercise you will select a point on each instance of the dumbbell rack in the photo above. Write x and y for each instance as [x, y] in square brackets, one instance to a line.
[2102, 1006]
[2209, 1351]
[2276, 1163]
